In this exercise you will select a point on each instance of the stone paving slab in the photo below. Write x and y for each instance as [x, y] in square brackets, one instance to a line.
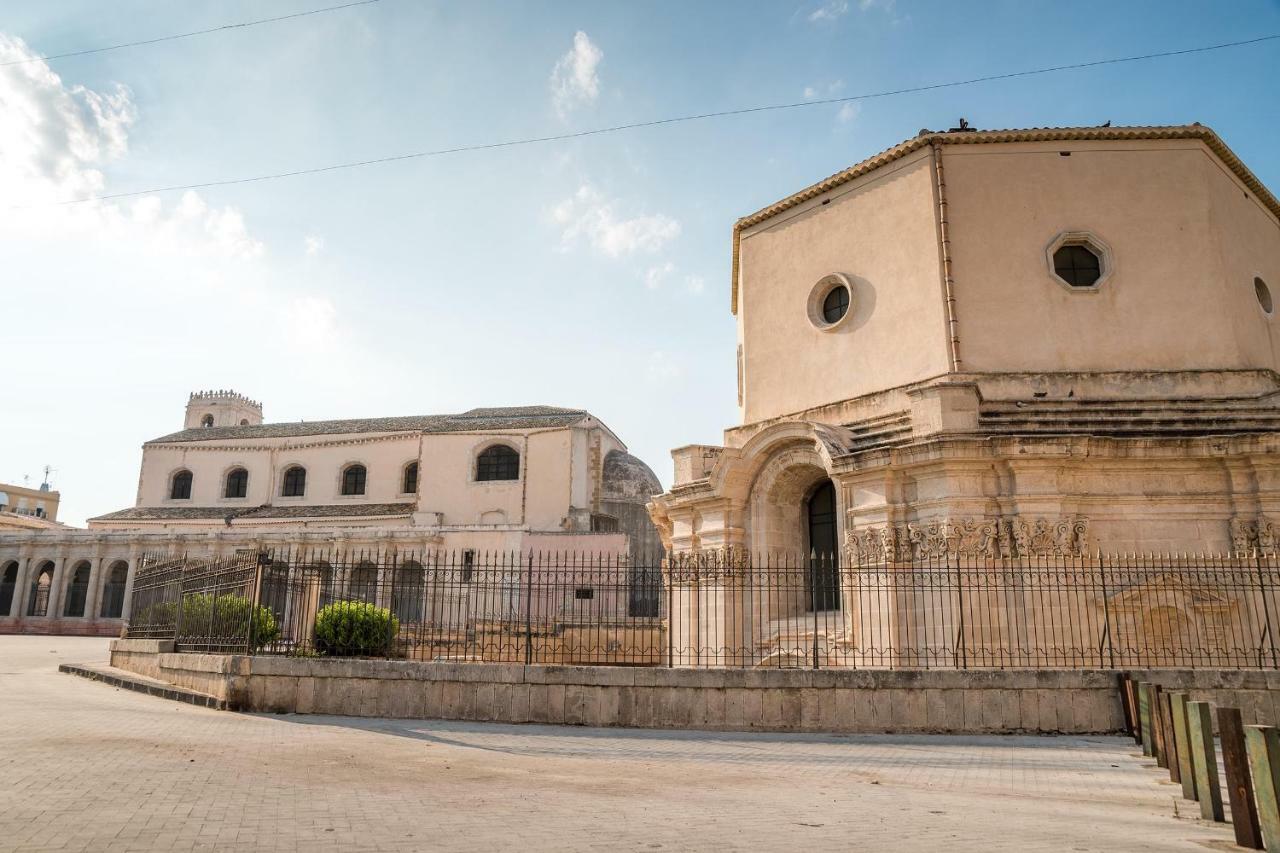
[85, 766]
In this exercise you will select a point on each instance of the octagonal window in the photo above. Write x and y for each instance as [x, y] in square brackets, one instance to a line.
[1078, 264]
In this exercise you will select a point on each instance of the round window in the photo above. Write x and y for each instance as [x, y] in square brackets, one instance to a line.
[1263, 293]
[835, 304]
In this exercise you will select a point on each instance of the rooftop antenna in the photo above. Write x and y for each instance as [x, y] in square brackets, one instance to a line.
[44, 486]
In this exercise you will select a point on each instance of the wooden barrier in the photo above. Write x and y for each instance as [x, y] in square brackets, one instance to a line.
[1172, 751]
[1204, 759]
[1244, 814]
[1182, 737]
[1263, 746]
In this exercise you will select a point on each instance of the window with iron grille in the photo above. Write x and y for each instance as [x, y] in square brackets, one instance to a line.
[295, 482]
[237, 483]
[468, 565]
[410, 484]
[180, 489]
[353, 480]
[603, 523]
[584, 593]
[498, 462]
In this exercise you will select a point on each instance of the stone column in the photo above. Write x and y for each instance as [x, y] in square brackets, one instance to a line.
[22, 595]
[54, 610]
[93, 595]
[134, 557]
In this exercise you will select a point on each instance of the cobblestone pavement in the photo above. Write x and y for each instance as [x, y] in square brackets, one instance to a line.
[84, 766]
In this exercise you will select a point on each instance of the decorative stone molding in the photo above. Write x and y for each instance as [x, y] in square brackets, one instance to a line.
[969, 537]
[698, 566]
[1253, 534]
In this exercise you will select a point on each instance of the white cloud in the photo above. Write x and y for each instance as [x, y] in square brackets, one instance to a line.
[588, 215]
[654, 276]
[311, 321]
[662, 368]
[695, 283]
[848, 112]
[832, 9]
[828, 90]
[53, 137]
[574, 82]
[313, 244]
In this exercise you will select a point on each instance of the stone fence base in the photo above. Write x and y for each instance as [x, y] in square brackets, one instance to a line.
[67, 626]
[779, 700]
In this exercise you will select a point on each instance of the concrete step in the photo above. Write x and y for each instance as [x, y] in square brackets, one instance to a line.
[141, 684]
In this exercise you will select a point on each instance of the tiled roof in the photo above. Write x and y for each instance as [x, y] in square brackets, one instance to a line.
[221, 513]
[515, 417]
[978, 137]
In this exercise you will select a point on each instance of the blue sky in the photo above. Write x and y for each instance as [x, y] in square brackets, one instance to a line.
[589, 273]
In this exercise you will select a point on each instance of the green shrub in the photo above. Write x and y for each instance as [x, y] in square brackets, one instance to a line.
[227, 617]
[355, 628]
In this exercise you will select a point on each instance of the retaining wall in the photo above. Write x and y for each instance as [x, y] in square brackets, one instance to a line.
[1035, 701]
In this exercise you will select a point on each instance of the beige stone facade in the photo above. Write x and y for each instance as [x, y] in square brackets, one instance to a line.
[1056, 342]
[22, 508]
[488, 481]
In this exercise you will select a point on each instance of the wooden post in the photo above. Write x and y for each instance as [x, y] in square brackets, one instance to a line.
[1144, 715]
[1136, 729]
[1263, 745]
[1182, 737]
[1172, 751]
[1126, 701]
[1204, 757]
[1244, 814]
[1157, 727]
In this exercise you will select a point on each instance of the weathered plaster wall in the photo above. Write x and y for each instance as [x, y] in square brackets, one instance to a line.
[1185, 240]
[881, 231]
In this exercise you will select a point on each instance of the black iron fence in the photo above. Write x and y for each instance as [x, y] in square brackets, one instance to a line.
[723, 609]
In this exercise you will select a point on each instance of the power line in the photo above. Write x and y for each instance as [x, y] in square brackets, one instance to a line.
[177, 36]
[560, 137]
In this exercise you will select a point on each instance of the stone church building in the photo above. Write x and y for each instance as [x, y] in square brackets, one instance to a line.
[1002, 343]
[486, 481]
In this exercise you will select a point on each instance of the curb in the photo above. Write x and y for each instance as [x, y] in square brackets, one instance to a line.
[176, 694]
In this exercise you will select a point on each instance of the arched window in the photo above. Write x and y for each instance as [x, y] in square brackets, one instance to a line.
[206, 421]
[78, 591]
[353, 480]
[244, 422]
[113, 591]
[180, 487]
[295, 482]
[498, 462]
[237, 483]
[410, 484]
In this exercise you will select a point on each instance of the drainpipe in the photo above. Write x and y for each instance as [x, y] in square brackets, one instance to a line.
[944, 238]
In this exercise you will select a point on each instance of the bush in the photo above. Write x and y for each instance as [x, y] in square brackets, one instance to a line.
[355, 628]
[227, 617]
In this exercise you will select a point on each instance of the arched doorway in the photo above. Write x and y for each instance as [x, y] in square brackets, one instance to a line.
[824, 578]
[8, 587]
[78, 590]
[41, 586]
[113, 590]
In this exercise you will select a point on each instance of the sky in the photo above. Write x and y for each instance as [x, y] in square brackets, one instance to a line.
[590, 273]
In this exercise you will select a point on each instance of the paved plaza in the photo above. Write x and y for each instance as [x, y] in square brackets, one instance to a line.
[84, 766]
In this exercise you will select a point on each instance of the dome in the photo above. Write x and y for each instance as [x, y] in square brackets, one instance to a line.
[626, 478]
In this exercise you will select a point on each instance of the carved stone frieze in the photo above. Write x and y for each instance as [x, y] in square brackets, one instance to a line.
[1253, 534]
[709, 565]
[970, 537]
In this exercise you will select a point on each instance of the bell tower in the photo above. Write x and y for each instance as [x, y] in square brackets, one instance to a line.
[222, 409]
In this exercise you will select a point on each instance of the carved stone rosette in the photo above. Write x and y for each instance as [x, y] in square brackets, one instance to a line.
[969, 537]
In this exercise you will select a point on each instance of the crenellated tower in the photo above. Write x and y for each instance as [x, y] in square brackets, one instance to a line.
[221, 409]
